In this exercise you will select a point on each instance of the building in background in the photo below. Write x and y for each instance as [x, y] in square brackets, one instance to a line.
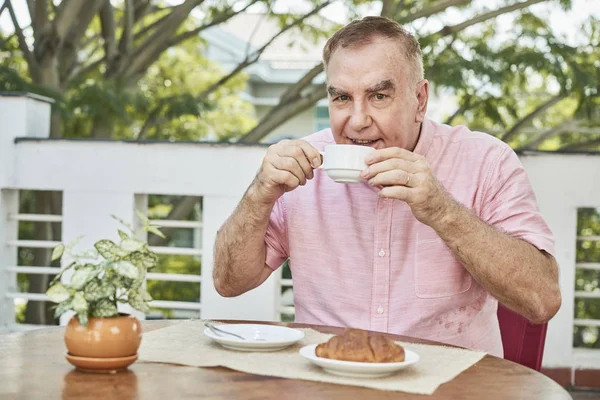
[282, 64]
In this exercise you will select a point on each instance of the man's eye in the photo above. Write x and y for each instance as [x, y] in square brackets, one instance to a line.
[343, 98]
[380, 96]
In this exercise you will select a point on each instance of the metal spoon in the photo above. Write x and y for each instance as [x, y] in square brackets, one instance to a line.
[219, 332]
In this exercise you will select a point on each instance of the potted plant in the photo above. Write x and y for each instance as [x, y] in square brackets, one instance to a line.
[98, 337]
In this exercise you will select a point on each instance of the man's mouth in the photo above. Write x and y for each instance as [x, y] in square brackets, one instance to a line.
[363, 142]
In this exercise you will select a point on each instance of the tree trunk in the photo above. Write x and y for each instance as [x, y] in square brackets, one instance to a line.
[102, 128]
[180, 210]
[40, 312]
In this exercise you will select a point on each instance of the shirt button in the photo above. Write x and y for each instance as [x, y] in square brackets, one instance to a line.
[381, 253]
[380, 310]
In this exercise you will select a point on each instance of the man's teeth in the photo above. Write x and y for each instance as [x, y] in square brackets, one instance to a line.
[362, 141]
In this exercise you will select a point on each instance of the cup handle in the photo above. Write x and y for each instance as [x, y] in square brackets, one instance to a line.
[322, 160]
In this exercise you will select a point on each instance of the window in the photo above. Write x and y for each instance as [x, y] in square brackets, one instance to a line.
[587, 279]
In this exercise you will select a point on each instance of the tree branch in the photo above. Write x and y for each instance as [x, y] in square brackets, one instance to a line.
[388, 8]
[219, 19]
[296, 89]
[256, 55]
[39, 18]
[107, 21]
[4, 7]
[31, 62]
[127, 35]
[525, 121]
[84, 70]
[181, 209]
[71, 43]
[66, 16]
[560, 128]
[282, 113]
[145, 54]
[432, 10]
[452, 29]
[582, 146]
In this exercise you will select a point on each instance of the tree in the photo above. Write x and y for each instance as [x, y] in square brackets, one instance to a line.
[104, 62]
[503, 87]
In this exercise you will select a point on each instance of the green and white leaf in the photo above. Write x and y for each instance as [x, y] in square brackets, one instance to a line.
[136, 300]
[123, 235]
[63, 308]
[125, 269]
[155, 230]
[58, 293]
[104, 308]
[109, 250]
[83, 318]
[131, 245]
[125, 224]
[145, 295]
[74, 242]
[98, 289]
[59, 275]
[142, 217]
[57, 252]
[83, 275]
[147, 260]
[90, 254]
[79, 303]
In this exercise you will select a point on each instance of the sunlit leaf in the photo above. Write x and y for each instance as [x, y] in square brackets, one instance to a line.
[58, 293]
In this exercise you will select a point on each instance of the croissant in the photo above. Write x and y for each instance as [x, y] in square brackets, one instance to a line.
[361, 346]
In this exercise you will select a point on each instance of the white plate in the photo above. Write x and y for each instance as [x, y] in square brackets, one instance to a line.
[273, 337]
[358, 369]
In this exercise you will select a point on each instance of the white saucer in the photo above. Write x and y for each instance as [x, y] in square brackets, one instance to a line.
[358, 369]
[271, 337]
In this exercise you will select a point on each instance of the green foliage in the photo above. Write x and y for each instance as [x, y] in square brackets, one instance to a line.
[105, 276]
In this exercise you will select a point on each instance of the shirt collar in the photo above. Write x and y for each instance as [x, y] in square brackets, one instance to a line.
[425, 137]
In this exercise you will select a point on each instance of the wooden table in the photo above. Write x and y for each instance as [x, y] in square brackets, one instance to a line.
[32, 366]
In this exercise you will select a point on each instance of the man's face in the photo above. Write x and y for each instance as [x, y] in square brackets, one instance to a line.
[373, 98]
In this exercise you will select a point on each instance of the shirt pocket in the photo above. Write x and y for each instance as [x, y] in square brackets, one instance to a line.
[437, 272]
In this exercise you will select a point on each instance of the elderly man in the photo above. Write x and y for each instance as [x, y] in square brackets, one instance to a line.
[444, 225]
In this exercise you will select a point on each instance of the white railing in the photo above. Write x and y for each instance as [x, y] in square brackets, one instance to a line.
[100, 178]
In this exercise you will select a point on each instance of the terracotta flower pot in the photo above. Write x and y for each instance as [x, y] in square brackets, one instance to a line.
[106, 344]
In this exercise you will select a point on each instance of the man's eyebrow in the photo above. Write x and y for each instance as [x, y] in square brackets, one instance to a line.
[333, 91]
[382, 86]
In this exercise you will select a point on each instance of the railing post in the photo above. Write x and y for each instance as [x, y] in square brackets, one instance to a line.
[9, 204]
[22, 115]
[88, 214]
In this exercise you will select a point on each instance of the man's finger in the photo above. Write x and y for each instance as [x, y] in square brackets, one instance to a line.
[395, 177]
[396, 192]
[296, 152]
[391, 152]
[389, 165]
[312, 154]
[291, 165]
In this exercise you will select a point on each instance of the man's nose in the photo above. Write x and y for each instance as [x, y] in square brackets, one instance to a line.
[360, 118]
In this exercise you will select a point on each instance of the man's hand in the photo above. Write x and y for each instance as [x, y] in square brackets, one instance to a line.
[287, 165]
[406, 176]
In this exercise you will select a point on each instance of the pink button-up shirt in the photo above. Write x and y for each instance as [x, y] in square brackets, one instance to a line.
[364, 262]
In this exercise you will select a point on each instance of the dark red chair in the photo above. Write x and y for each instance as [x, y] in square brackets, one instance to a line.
[523, 341]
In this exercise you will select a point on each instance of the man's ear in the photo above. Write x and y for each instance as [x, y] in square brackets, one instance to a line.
[422, 94]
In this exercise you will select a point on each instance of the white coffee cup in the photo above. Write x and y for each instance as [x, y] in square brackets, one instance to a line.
[345, 162]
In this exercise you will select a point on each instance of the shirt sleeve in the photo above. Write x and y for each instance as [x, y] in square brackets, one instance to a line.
[510, 204]
[276, 237]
